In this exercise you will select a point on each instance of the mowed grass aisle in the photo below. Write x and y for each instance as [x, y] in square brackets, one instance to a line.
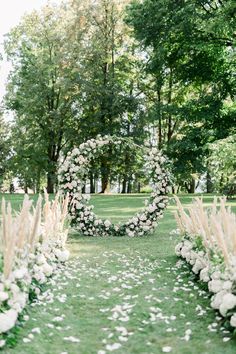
[124, 295]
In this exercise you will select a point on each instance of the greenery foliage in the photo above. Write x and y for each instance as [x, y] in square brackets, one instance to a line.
[159, 70]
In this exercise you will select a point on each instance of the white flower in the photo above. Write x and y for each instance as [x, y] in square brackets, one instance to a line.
[215, 285]
[3, 296]
[20, 273]
[111, 347]
[107, 223]
[47, 269]
[41, 259]
[233, 320]
[62, 256]
[7, 320]
[74, 183]
[151, 208]
[227, 285]
[217, 299]
[178, 248]
[19, 301]
[161, 205]
[143, 217]
[204, 275]
[228, 303]
[2, 343]
[199, 264]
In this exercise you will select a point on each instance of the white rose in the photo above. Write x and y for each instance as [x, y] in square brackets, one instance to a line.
[185, 252]
[146, 228]
[215, 285]
[107, 223]
[216, 275]
[227, 285]
[47, 269]
[62, 256]
[143, 217]
[217, 299]
[233, 320]
[204, 275]
[151, 208]
[40, 259]
[228, 303]
[74, 183]
[20, 301]
[161, 205]
[3, 296]
[178, 248]
[198, 266]
[40, 277]
[7, 320]
[14, 288]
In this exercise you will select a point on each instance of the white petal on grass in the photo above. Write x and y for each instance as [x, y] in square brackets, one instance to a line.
[2, 343]
[166, 349]
[50, 325]
[57, 319]
[72, 339]
[111, 347]
[36, 330]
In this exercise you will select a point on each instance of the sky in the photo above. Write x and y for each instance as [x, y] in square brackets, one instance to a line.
[11, 12]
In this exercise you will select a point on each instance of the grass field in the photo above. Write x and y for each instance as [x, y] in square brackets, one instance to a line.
[124, 293]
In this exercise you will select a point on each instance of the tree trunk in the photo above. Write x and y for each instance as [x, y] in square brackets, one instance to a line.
[92, 184]
[169, 121]
[209, 184]
[26, 188]
[159, 120]
[124, 185]
[105, 174]
[37, 182]
[139, 187]
[192, 186]
[51, 178]
[105, 185]
[129, 188]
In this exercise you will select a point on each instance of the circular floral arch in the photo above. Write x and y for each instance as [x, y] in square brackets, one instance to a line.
[72, 178]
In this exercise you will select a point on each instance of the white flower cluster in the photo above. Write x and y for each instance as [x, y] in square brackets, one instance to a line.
[31, 267]
[221, 279]
[74, 171]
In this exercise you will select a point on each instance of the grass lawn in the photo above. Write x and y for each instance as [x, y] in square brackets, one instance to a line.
[124, 293]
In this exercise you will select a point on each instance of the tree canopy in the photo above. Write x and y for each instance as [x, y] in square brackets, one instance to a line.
[161, 71]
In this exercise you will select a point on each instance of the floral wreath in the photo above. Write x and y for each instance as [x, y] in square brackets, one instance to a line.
[72, 177]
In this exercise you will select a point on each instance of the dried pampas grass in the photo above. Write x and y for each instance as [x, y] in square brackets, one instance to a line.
[20, 232]
[216, 226]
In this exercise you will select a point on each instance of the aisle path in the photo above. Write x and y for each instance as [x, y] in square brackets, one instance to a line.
[123, 296]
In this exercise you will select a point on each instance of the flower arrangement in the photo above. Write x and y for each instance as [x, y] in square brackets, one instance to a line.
[209, 246]
[72, 176]
[32, 247]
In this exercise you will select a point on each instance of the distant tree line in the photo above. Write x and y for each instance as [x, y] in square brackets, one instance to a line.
[160, 71]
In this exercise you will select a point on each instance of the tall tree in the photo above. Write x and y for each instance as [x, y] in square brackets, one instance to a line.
[42, 86]
[4, 148]
[109, 79]
[191, 59]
